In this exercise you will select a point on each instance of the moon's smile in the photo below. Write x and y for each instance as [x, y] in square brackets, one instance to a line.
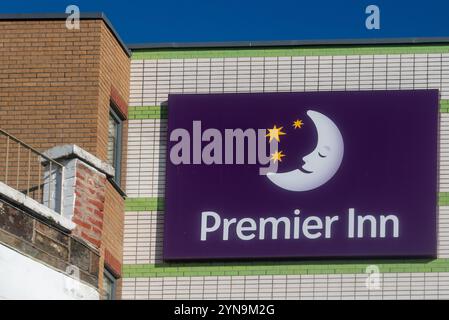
[321, 164]
[305, 171]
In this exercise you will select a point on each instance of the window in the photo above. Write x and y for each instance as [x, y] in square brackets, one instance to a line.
[109, 285]
[115, 143]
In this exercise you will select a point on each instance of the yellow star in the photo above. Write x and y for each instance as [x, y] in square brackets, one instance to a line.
[277, 156]
[297, 124]
[275, 133]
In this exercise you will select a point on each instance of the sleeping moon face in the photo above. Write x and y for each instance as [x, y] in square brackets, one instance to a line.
[321, 164]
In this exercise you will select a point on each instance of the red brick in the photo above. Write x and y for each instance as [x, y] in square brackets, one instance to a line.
[95, 242]
[98, 223]
[82, 223]
[78, 212]
[119, 102]
[97, 204]
[80, 175]
[96, 231]
[113, 263]
[98, 213]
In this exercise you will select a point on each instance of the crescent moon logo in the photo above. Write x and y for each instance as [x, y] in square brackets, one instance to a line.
[321, 164]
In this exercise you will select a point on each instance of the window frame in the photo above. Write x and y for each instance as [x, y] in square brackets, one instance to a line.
[110, 276]
[117, 162]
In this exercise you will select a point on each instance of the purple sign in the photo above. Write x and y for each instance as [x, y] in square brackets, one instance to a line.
[302, 175]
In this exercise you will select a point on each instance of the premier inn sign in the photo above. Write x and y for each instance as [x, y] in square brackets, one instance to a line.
[301, 175]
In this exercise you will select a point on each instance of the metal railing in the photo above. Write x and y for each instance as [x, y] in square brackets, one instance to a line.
[31, 172]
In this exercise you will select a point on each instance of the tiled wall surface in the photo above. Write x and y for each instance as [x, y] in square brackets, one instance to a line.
[143, 237]
[146, 157]
[326, 286]
[151, 82]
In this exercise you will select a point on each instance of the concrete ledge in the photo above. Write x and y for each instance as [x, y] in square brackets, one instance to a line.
[68, 151]
[15, 196]
[24, 277]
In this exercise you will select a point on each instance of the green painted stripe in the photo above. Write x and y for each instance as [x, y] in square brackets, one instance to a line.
[443, 199]
[160, 112]
[144, 204]
[286, 52]
[281, 268]
[157, 203]
[147, 112]
[444, 106]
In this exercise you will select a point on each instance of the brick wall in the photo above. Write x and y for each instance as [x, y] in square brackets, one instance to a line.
[88, 211]
[50, 82]
[55, 88]
[114, 85]
[48, 86]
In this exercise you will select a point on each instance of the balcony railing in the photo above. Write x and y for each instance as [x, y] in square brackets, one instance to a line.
[29, 171]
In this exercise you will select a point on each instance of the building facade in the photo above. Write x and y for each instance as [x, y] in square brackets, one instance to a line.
[65, 92]
[99, 108]
[157, 72]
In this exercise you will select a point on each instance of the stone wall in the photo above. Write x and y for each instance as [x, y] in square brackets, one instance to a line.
[47, 243]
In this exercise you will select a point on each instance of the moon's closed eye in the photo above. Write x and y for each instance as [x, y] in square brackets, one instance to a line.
[324, 151]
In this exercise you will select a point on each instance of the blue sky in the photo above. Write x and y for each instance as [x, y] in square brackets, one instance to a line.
[236, 20]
